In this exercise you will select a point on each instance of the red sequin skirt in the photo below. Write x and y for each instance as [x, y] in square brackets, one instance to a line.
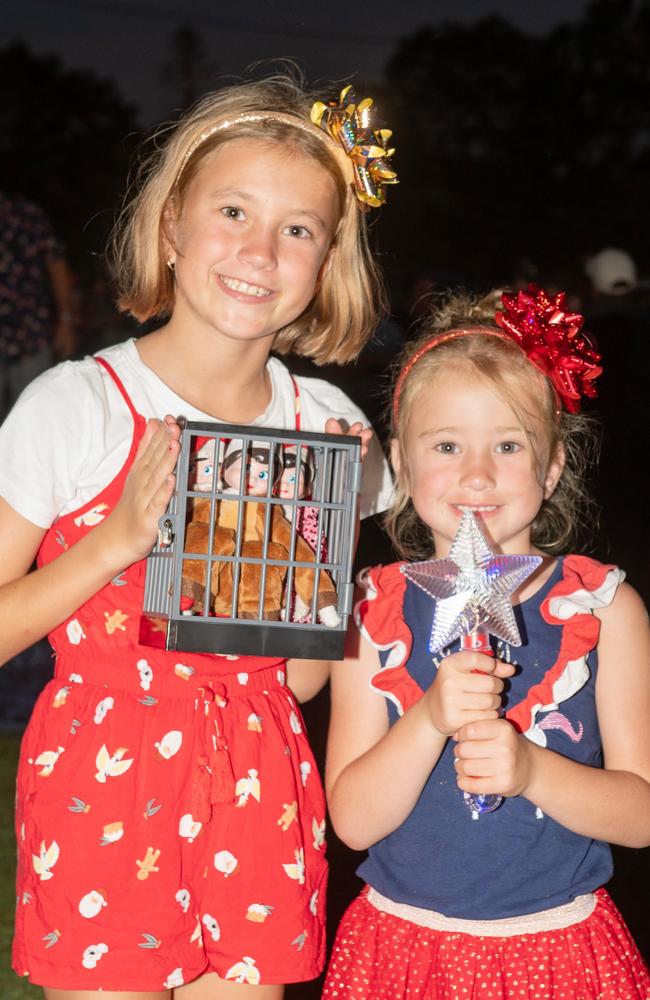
[379, 955]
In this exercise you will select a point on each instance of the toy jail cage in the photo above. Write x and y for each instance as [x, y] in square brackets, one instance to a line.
[255, 551]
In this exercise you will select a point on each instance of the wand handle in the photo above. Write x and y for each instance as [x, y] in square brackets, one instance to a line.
[478, 641]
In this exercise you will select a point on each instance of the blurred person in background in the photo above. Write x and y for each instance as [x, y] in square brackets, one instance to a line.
[36, 297]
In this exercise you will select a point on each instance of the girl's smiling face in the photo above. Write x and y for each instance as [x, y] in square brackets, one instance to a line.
[253, 239]
[466, 447]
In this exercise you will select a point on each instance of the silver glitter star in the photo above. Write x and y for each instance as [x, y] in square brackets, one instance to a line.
[472, 587]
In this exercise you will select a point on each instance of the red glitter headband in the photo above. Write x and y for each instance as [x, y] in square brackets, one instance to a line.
[551, 338]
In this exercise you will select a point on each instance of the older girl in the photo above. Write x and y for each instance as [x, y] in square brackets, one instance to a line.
[141, 872]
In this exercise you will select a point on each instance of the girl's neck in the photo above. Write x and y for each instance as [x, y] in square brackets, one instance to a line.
[227, 380]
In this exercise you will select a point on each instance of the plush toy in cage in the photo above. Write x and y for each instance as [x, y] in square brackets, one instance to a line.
[255, 550]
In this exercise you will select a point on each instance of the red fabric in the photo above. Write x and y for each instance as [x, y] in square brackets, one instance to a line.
[170, 816]
[379, 616]
[579, 632]
[378, 956]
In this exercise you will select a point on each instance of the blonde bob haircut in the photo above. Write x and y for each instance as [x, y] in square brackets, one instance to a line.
[569, 510]
[350, 300]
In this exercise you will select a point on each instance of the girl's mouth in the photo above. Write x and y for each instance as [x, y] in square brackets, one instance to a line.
[241, 288]
[482, 510]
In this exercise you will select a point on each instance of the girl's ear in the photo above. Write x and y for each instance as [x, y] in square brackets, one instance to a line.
[168, 236]
[554, 470]
[395, 458]
[325, 268]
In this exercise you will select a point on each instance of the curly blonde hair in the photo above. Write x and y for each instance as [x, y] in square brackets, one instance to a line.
[570, 510]
[350, 300]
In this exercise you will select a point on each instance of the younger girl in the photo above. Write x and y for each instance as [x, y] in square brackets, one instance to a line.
[170, 817]
[509, 903]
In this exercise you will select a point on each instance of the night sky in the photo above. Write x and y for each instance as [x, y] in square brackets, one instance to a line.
[129, 39]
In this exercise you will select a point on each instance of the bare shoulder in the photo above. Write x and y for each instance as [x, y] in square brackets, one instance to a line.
[626, 610]
[623, 683]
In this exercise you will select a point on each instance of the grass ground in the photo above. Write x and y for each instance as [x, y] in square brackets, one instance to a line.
[11, 987]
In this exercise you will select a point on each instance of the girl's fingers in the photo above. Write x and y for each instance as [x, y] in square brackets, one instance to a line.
[149, 431]
[159, 453]
[485, 730]
[366, 438]
[469, 662]
[481, 767]
[162, 496]
[474, 750]
[333, 426]
[481, 702]
[482, 683]
[480, 663]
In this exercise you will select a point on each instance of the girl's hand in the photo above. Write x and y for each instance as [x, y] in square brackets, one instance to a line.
[492, 758]
[333, 426]
[133, 525]
[460, 694]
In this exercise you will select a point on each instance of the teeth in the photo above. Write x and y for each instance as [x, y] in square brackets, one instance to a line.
[243, 286]
[471, 507]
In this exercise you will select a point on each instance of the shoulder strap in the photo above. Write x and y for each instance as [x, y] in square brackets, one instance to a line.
[139, 422]
[296, 391]
[120, 386]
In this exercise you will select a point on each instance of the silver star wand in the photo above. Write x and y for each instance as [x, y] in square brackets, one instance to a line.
[472, 590]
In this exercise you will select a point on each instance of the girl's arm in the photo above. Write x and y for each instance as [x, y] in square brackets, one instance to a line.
[31, 604]
[307, 677]
[610, 803]
[375, 774]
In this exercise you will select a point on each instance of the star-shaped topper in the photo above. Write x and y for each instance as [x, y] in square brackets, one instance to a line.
[472, 587]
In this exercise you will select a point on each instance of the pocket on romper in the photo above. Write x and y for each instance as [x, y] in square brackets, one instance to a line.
[47, 739]
[55, 745]
[309, 794]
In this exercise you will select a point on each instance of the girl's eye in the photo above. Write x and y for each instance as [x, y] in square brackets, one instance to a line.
[263, 474]
[447, 448]
[508, 447]
[207, 470]
[300, 232]
[292, 477]
[232, 213]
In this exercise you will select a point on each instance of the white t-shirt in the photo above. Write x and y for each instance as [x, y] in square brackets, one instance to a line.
[70, 432]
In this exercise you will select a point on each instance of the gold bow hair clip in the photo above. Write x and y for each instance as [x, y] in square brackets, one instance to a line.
[349, 124]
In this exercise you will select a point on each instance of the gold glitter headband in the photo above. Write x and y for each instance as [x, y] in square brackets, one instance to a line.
[274, 116]
[435, 341]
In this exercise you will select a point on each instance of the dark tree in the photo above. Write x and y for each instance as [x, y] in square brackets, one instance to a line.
[188, 72]
[514, 146]
[66, 137]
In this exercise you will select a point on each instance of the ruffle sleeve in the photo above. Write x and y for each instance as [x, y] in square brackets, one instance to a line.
[379, 615]
[585, 585]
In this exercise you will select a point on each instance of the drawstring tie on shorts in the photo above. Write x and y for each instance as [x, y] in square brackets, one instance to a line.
[214, 779]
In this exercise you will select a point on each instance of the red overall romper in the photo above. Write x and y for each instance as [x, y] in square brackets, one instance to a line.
[170, 816]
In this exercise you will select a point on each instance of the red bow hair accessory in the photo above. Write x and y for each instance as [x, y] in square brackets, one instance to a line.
[553, 341]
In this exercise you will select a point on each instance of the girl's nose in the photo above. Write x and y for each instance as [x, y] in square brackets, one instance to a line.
[258, 250]
[478, 472]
